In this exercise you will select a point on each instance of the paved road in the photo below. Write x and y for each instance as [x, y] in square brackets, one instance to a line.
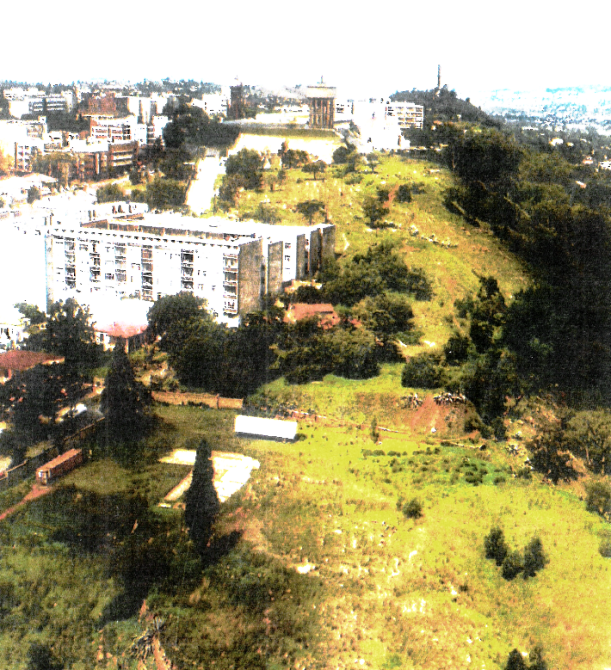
[202, 188]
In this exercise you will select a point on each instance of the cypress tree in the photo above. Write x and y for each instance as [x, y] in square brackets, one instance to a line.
[124, 403]
[202, 503]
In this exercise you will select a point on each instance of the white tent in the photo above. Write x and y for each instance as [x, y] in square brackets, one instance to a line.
[267, 429]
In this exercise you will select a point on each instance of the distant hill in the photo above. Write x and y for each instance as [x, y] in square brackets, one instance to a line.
[444, 105]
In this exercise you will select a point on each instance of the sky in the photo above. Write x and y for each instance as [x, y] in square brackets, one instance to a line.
[364, 49]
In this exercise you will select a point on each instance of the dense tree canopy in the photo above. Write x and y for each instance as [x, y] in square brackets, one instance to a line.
[69, 333]
[190, 125]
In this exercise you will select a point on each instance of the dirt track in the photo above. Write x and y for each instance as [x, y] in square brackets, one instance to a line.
[36, 492]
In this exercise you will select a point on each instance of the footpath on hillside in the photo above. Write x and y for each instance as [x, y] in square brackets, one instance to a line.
[37, 491]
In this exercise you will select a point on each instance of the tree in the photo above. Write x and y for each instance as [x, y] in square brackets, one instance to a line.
[404, 193]
[5, 165]
[423, 371]
[32, 398]
[124, 403]
[534, 558]
[495, 545]
[33, 194]
[550, 452]
[201, 500]
[69, 333]
[171, 315]
[374, 211]
[56, 164]
[248, 165]
[385, 315]
[315, 168]
[110, 193]
[515, 661]
[588, 435]
[309, 209]
[32, 313]
[165, 193]
[537, 662]
[457, 349]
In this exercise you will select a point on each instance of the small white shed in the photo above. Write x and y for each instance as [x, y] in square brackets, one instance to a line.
[265, 429]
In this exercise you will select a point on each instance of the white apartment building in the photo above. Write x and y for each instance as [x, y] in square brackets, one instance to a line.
[213, 104]
[408, 114]
[232, 265]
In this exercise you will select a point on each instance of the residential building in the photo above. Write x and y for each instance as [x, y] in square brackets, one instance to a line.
[232, 265]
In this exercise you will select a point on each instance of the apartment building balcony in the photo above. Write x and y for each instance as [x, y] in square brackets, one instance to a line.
[186, 283]
[186, 272]
[230, 306]
[147, 267]
[230, 277]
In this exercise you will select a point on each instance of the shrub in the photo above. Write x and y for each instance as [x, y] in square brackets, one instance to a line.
[424, 371]
[515, 661]
[605, 548]
[404, 193]
[495, 545]
[534, 558]
[599, 498]
[512, 565]
[412, 509]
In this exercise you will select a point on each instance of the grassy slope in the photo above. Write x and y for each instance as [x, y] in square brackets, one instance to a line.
[419, 595]
[453, 272]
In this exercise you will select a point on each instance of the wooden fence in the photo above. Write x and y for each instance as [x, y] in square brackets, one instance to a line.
[214, 401]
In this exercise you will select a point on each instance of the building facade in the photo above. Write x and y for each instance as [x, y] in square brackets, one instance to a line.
[321, 99]
[231, 265]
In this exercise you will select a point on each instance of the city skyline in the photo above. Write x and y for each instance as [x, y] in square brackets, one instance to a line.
[272, 44]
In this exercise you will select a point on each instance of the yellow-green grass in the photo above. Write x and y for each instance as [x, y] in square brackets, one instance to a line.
[320, 500]
[453, 272]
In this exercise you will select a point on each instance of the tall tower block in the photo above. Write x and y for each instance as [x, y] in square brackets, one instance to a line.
[321, 99]
[439, 76]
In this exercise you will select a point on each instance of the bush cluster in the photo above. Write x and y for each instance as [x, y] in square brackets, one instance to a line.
[512, 562]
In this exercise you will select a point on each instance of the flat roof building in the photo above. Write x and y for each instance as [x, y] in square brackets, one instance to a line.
[230, 264]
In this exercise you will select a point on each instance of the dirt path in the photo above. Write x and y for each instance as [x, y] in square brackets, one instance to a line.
[36, 492]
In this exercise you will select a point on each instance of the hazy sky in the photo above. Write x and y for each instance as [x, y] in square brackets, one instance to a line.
[372, 48]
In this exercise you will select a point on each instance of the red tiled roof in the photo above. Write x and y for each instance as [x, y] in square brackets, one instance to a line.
[24, 360]
[301, 310]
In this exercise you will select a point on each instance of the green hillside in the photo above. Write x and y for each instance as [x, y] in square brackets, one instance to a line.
[361, 544]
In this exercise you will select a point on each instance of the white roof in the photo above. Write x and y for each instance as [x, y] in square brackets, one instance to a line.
[274, 429]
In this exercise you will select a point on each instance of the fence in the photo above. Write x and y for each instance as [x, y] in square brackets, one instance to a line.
[214, 401]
